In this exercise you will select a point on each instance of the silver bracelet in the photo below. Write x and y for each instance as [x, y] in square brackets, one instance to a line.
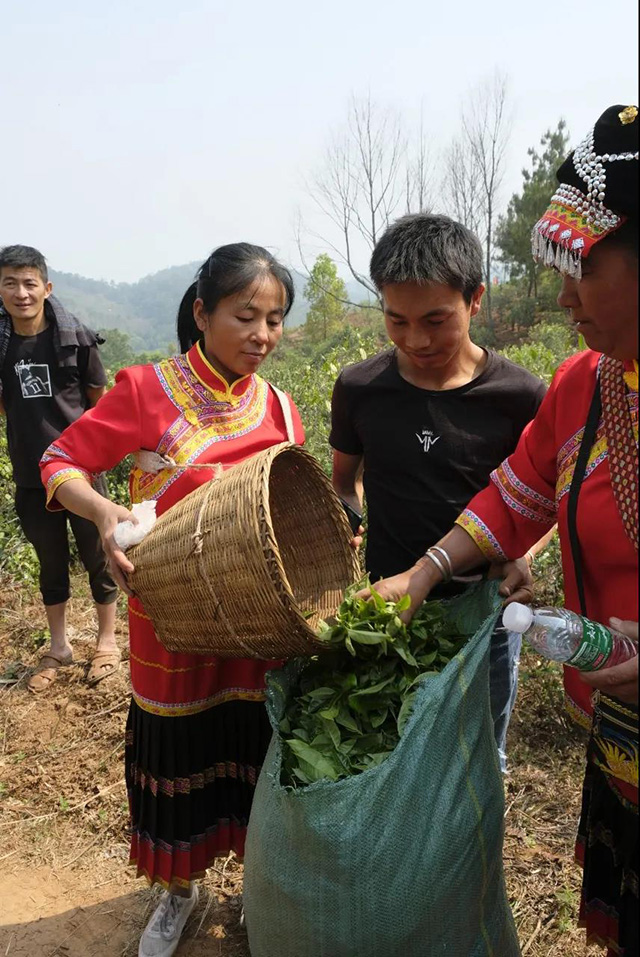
[436, 561]
[445, 555]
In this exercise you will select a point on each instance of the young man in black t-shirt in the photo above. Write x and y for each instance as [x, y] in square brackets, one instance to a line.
[50, 373]
[420, 427]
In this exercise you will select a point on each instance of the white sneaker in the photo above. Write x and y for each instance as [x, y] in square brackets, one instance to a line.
[162, 934]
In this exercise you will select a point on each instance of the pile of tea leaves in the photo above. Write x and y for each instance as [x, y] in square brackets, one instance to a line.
[354, 699]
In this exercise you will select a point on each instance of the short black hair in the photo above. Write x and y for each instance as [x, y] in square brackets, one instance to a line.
[425, 247]
[24, 257]
[228, 270]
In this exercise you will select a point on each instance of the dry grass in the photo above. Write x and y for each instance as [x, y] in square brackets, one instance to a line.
[546, 755]
[63, 810]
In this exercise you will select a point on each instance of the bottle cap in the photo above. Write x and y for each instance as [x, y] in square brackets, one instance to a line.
[517, 617]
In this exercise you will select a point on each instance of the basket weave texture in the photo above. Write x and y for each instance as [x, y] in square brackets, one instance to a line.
[247, 564]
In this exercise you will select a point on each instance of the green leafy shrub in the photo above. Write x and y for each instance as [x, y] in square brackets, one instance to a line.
[547, 346]
[17, 557]
[308, 372]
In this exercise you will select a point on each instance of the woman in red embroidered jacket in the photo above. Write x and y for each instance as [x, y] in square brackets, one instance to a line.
[197, 729]
[590, 235]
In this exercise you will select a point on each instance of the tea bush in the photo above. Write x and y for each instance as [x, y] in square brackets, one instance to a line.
[308, 374]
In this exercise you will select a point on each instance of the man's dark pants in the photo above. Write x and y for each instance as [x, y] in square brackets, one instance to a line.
[47, 532]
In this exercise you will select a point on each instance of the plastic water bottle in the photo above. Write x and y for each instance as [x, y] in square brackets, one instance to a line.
[561, 635]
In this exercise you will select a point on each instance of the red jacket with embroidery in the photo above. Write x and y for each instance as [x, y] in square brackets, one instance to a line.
[529, 493]
[181, 408]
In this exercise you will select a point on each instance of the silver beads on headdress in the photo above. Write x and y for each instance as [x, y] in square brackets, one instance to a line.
[580, 213]
[556, 247]
[592, 169]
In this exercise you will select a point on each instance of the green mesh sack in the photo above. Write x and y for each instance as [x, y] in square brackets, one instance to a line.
[403, 860]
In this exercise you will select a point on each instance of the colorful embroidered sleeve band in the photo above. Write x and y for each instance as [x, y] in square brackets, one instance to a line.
[521, 497]
[482, 535]
[59, 478]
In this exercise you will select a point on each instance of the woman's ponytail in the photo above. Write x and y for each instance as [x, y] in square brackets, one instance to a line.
[188, 332]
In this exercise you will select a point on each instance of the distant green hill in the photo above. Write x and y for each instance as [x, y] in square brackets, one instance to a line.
[145, 310]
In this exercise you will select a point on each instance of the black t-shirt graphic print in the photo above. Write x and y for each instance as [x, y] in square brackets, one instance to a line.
[41, 398]
[35, 380]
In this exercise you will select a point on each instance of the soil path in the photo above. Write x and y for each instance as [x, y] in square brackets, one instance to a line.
[49, 913]
[65, 888]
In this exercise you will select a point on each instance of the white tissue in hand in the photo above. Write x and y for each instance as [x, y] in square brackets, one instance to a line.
[128, 534]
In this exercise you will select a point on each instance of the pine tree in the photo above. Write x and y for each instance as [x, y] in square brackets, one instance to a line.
[513, 235]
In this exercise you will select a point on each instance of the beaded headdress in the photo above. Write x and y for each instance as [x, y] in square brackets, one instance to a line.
[598, 192]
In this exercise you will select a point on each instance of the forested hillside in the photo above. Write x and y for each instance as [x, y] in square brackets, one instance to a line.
[146, 309]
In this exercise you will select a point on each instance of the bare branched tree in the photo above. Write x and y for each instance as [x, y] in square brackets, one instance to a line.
[368, 177]
[486, 127]
[461, 185]
[418, 179]
[378, 147]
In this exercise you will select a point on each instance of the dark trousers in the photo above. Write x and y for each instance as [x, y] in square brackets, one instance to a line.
[47, 532]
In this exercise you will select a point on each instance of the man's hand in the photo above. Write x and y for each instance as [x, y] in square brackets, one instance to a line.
[621, 681]
[106, 522]
[517, 584]
[416, 582]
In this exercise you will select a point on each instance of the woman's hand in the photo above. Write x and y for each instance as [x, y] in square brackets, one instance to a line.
[107, 520]
[621, 681]
[517, 584]
[416, 582]
[356, 541]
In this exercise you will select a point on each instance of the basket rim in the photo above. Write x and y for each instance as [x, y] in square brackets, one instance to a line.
[267, 541]
[281, 582]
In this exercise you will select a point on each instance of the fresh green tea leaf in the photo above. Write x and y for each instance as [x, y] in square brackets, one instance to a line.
[355, 698]
[320, 765]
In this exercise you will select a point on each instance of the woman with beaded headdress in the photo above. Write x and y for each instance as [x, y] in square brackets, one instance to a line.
[589, 235]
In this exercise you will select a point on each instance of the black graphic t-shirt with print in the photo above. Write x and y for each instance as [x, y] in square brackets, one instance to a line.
[426, 453]
[41, 398]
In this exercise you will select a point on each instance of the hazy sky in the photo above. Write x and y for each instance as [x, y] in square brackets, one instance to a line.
[138, 135]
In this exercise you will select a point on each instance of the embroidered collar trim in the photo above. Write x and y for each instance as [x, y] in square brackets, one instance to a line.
[212, 380]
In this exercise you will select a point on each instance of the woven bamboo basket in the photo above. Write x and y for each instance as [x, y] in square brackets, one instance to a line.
[248, 564]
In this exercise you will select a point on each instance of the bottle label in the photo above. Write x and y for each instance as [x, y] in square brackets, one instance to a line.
[595, 648]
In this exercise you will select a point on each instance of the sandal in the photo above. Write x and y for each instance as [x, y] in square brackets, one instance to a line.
[103, 664]
[45, 674]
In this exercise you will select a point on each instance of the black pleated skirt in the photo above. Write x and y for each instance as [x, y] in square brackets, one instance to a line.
[190, 782]
[607, 847]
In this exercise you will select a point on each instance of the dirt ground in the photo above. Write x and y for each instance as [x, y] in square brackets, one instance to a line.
[65, 887]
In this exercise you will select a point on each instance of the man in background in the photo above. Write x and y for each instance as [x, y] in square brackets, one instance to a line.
[50, 373]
